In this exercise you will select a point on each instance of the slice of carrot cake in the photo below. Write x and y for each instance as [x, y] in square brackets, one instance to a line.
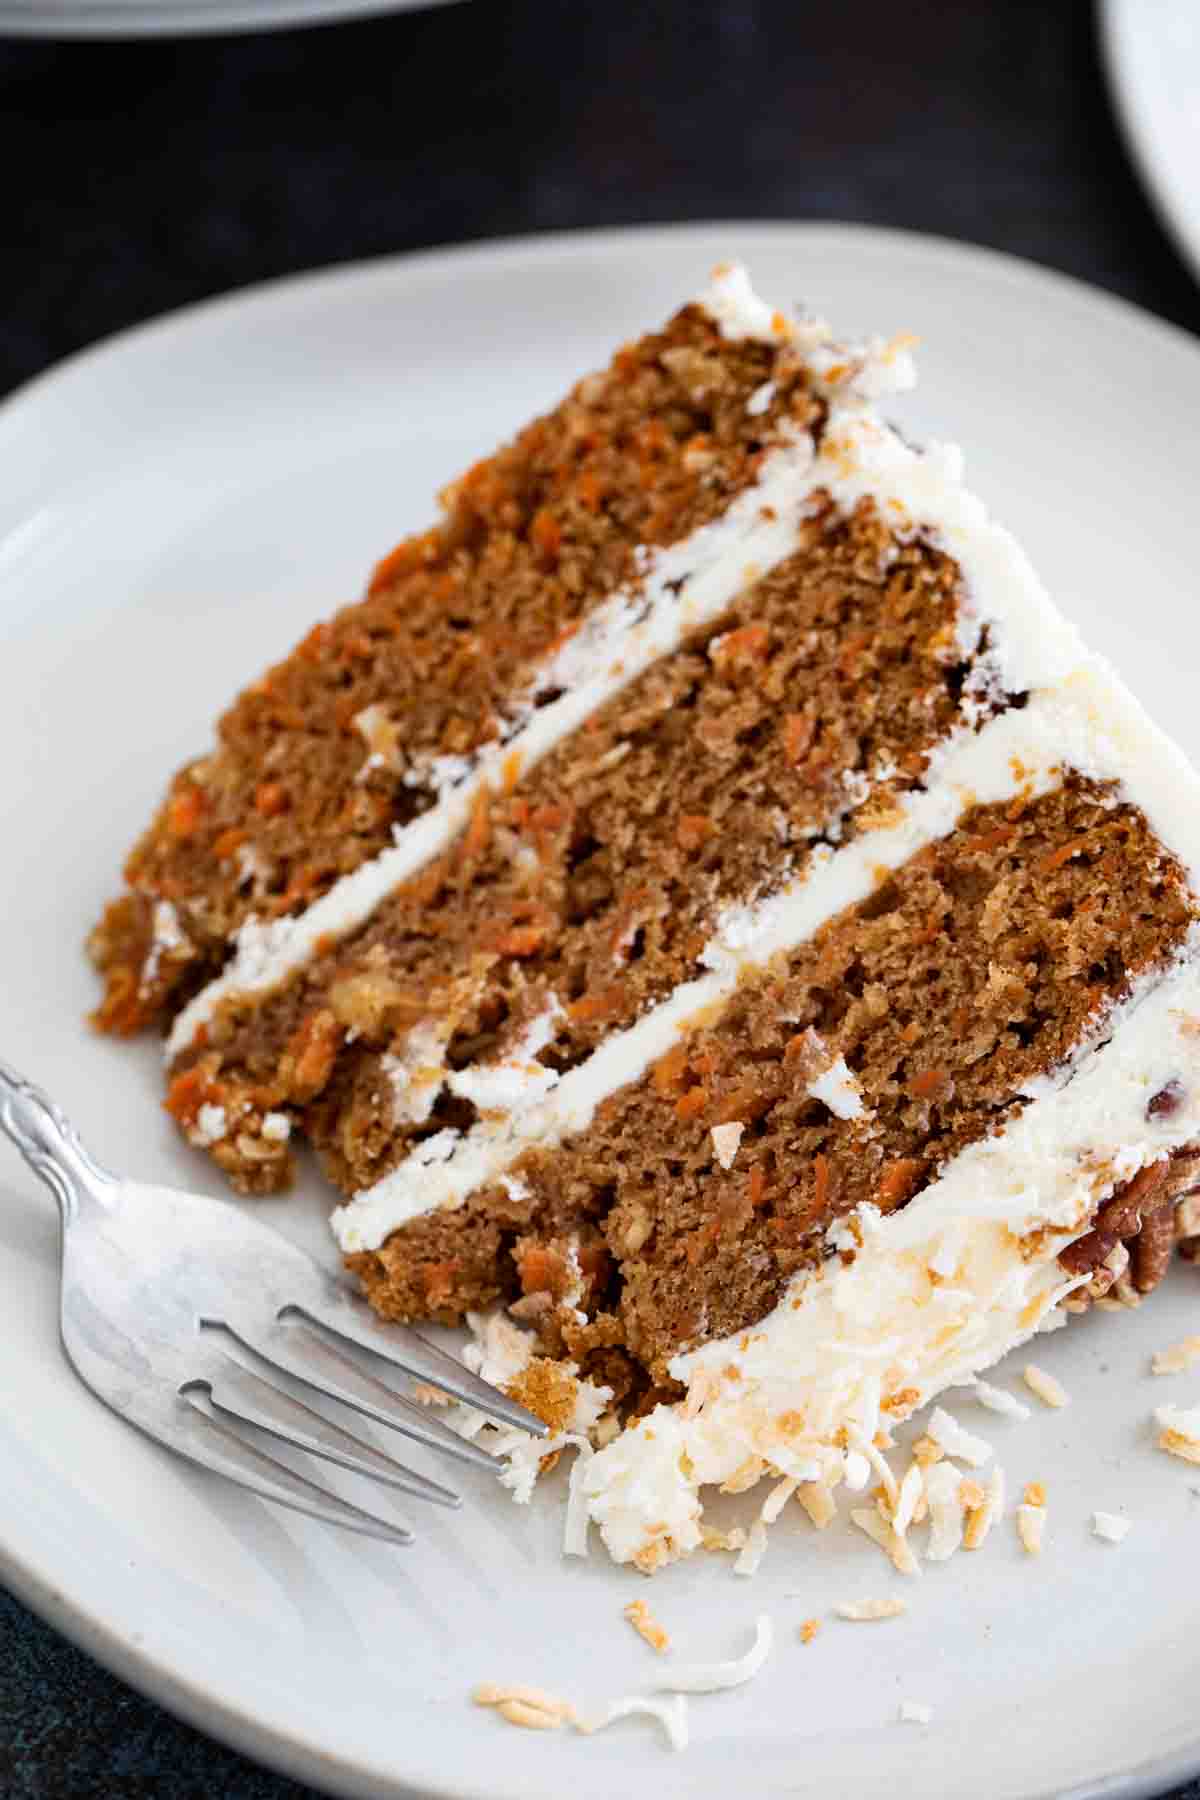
[706, 900]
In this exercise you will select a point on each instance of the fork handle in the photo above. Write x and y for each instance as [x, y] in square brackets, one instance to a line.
[47, 1140]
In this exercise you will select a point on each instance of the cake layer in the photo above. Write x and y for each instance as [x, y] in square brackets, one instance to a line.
[357, 733]
[583, 896]
[852, 1068]
[922, 1300]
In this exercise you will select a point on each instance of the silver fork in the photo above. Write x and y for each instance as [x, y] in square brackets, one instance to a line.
[182, 1314]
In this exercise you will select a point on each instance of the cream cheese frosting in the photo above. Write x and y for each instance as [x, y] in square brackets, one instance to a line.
[919, 1301]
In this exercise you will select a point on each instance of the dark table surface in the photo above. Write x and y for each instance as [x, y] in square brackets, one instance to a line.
[145, 174]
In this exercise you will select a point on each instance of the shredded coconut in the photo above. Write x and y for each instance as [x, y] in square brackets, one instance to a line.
[753, 1551]
[911, 1489]
[1179, 1432]
[915, 1712]
[1031, 1527]
[1110, 1526]
[1179, 1357]
[647, 1626]
[861, 1611]
[890, 1542]
[942, 1484]
[998, 1400]
[710, 1678]
[818, 1502]
[1048, 1390]
[837, 1087]
[671, 1715]
[777, 1499]
[726, 1139]
[210, 1126]
[528, 1706]
[950, 1436]
[575, 1525]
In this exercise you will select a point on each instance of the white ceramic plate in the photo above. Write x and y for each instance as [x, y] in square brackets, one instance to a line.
[1152, 48]
[168, 18]
[176, 508]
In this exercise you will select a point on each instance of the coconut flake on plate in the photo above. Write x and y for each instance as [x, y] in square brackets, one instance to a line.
[712, 1677]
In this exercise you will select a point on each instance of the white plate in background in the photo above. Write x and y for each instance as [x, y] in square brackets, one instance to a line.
[176, 508]
[1152, 48]
[168, 18]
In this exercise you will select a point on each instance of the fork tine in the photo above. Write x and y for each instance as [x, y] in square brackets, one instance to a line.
[406, 1349]
[300, 1352]
[238, 1392]
[217, 1446]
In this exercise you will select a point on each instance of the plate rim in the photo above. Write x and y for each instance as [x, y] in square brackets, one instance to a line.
[1119, 21]
[167, 1682]
[116, 19]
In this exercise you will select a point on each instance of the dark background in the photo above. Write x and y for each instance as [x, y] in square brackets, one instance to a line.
[141, 175]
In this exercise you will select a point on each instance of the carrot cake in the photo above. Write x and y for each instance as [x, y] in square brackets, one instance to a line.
[706, 901]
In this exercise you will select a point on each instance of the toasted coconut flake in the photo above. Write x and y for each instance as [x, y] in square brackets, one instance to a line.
[777, 1499]
[712, 1539]
[1034, 1493]
[911, 1490]
[818, 1502]
[862, 1611]
[881, 1467]
[999, 1400]
[809, 1630]
[857, 1471]
[983, 1516]
[1040, 1382]
[915, 1712]
[753, 1551]
[945, 1511]
[671, 1715]
[1179, 1357]
[530, 1707]
[647, 1626]
[925, 1451]
[950, 1436]
[895, 1547]
[1031, 1527]
[744, 1476]
[712, 1677]
[1110, 1526]
[1180, 1431]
